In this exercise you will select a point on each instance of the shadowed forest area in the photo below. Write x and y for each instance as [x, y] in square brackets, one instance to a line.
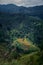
[21, 39]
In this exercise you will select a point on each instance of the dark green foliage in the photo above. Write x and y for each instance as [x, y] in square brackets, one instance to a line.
[17, 26]
[35, 58]
[20, 26]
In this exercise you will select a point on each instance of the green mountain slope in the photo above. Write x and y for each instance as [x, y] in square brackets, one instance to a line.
[20, 35]
[20, 26]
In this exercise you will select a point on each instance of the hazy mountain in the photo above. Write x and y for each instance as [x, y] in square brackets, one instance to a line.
[12, 9]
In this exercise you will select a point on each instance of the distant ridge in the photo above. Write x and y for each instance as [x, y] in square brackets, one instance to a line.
[12, 9]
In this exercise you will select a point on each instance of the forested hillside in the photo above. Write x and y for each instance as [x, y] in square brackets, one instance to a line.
[21, 39]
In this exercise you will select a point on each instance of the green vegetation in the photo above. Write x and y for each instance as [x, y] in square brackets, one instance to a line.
[35, 58]
[21, 40]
